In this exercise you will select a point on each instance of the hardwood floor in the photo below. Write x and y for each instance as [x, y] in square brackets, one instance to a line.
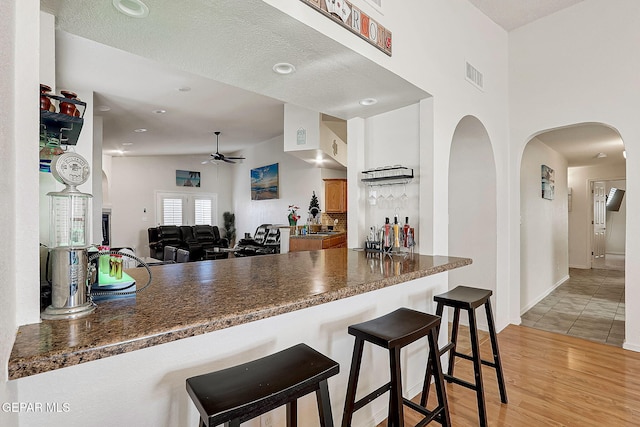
[552, 380]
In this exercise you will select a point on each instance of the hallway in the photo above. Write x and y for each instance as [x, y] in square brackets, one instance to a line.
[589, 305]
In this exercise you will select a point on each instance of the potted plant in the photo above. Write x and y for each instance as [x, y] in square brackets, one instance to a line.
[229, 220]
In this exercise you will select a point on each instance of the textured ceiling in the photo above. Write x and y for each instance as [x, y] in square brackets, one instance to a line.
[227, 41]
[581, 144]
[511, 14]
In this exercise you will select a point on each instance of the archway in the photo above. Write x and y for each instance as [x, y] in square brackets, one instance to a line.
[472, 206]
[558, 290]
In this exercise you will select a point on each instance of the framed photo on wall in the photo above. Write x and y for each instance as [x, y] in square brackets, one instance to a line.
[187, 178]
[548, 182]
[264, 182]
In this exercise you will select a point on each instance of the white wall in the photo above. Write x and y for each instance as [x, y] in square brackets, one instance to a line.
[589, 45]
[297, 181]
[580, 228]
[391, 139]
[544, 228]
[14, 155]
[135, 181]
[472, 208]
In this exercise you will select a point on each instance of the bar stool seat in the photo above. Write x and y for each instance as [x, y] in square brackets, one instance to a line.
[394, 331]
[240, 393]
[468, 299]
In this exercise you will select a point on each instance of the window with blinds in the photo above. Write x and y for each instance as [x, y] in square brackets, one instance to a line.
[186, 209]
[171, 211]
[202, 210]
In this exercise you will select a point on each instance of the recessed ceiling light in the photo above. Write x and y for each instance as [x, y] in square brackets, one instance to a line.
[368, 101]
[284, 68]
[127, 143]
[624, 153]
[159, 111]
[601, 155]
[184, 89]
[104, 108]
[132, 8]
[140, 130]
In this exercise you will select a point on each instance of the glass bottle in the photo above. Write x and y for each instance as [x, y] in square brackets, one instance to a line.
[50, 150]
[405, 231]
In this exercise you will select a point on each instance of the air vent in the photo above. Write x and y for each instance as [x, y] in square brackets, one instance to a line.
[474, 76]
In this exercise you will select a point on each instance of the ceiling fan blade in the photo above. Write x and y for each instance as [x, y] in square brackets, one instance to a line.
[226, 159]
[236, 158]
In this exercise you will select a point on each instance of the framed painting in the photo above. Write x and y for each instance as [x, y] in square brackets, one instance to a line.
[548, 182]
[187, 178]
[264, 182]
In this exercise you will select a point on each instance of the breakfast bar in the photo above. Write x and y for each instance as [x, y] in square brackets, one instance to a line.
[211, 314]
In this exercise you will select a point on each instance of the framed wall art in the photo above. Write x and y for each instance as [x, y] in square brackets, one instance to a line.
[187, 178]
[264, 182]
[548, 182]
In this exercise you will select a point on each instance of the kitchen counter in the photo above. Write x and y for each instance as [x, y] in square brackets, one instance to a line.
[317, 241]
[190, 299]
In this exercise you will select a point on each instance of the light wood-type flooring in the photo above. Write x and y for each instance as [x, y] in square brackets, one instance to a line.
[552, 380]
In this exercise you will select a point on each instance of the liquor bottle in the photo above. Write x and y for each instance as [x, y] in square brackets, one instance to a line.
[387, 234]
[396, 232]
[405, 231]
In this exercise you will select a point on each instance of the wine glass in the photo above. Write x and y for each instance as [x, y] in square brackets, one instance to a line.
[372, 197]
[404, 199]
[391, 201]
[382, 201]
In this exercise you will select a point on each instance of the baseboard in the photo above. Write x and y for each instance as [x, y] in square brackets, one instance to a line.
[632, 347]
[580, 267]
[543, 296]
[381, 415]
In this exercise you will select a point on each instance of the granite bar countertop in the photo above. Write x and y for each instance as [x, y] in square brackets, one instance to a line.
[195, 298]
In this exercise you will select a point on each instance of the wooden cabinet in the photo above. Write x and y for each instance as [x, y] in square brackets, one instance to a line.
[315, 244]
[335, 195]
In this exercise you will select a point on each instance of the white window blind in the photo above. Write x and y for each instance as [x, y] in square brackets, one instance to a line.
[173, 208]
[202, 210]
[171, 211]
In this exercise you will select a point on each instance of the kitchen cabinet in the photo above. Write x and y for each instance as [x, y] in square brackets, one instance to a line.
[335, 195]
[317, 242]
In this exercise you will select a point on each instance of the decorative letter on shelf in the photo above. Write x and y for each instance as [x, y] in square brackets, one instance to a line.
[354, 20]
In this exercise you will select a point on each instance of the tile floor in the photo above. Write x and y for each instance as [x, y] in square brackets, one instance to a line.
[589, 305]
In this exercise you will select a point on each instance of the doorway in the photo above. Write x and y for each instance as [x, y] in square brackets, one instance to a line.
[609, 224]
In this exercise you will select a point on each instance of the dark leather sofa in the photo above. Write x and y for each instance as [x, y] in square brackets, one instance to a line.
[266, 240]
[196, 239]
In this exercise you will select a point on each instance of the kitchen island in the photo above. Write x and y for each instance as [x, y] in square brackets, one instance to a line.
[201, 316]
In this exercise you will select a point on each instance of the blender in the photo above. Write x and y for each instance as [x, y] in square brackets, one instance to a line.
[69, 240]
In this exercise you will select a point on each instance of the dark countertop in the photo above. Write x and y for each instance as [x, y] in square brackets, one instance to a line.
[195, 298]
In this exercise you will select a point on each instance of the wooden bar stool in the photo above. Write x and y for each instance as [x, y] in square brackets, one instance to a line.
[466, 298]
[240, 393]
[394, 331]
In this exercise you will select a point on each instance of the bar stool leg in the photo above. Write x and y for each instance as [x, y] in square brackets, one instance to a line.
[434, 360]
[396, 410]
[454, 341]
[496, 352]
[477, 367]
[353, 382]
[292, 413]
[324, 405]
[427, 377]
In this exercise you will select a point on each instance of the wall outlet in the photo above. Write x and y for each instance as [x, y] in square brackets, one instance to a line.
[266, 420]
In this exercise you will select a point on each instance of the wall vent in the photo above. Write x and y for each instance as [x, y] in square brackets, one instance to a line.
[474, 76]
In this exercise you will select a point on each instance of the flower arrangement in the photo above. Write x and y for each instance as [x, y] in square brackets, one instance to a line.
[293, 215]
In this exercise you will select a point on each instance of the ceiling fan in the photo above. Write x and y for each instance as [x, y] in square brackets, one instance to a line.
[217, 156]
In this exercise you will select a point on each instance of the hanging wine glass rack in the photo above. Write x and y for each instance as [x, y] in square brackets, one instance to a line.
[387, 175]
